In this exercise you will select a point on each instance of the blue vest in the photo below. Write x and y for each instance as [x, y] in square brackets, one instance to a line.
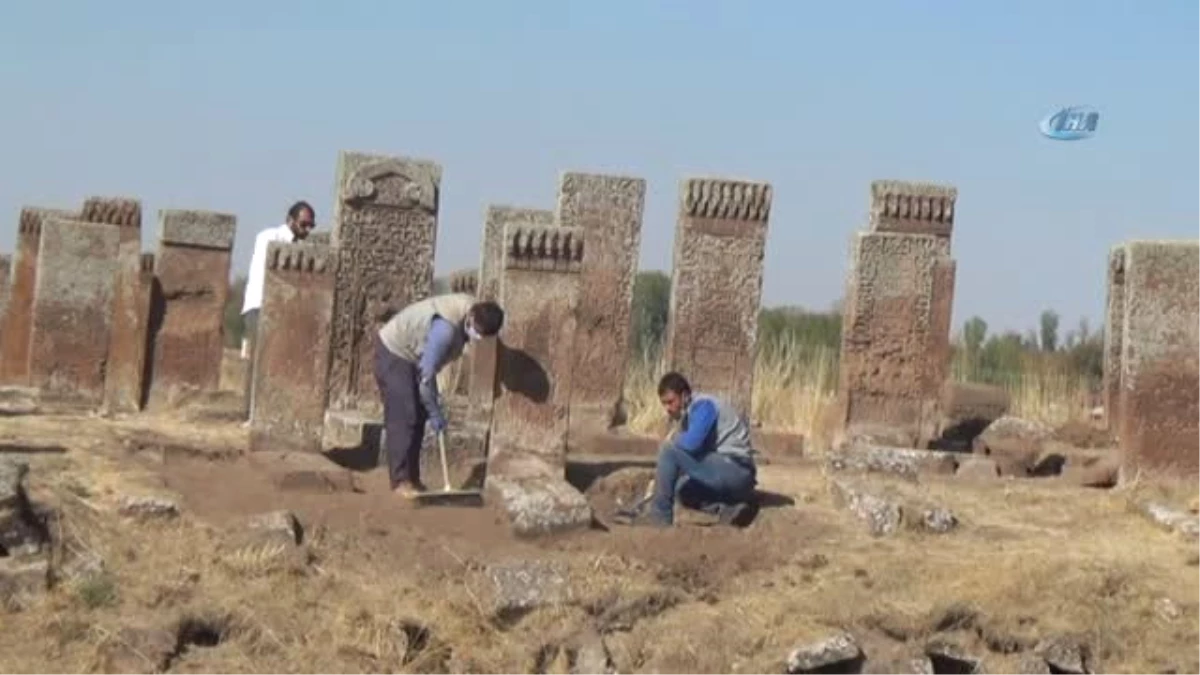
[732, 433]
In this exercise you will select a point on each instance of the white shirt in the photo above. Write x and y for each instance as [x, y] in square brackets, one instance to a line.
[258, 264]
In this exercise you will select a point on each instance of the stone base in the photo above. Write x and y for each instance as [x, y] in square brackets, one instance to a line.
[538, 506]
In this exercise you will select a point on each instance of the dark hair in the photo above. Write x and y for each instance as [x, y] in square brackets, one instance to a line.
[299, 207]
[487, 317]
[675, 382]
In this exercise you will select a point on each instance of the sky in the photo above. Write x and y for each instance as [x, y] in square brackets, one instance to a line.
[242, 107]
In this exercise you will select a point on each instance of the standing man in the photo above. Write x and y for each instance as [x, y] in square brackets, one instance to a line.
[300, 221]
[708, 464]
[410, 350]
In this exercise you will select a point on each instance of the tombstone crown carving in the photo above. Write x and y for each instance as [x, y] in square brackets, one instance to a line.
[538, 247]
[32, 217]
[417, 191]
[301, 258]
[727, 199]
[912, 201]
[120, 211]
[464, 281]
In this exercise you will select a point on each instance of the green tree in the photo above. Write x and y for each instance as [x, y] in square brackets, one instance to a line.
[650, 309]
[1049, 330]
[974, 333]
[233, 312]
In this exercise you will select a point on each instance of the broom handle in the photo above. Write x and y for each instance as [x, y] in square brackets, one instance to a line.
[441, 438]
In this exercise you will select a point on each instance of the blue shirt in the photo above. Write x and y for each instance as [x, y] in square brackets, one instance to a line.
[699, 428]
[438, 341]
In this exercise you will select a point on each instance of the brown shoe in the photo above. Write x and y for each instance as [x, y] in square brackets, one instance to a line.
[407, 490]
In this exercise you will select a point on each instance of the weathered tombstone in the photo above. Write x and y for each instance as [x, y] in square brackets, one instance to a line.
[5, 280]
[385, 231]
[1160, 358]
[526, 464]
[1114, 320]
[896, 318]
[609, 209]
[192, 272]
[127, 344]
[716, 285]
[72, 309]
[293, 347]
[491, 261]
[18, 312]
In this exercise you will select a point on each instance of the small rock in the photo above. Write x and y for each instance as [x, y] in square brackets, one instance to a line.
[882, 516]
[139, 650]
[148, 507]
[938, 519]
[829, 655]
[1167, 610]
[282, 525]
[1064, 655]
[1032, 664]
[948, 657]
[1183, 524]
[520, 587]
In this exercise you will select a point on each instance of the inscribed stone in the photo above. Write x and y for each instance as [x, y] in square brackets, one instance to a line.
[18, 313]
[609, 209]
[292, 351]
[187, 319]
[127, 344]
[1160, 358]
[72, 309]
[385, 231]
[716, 285]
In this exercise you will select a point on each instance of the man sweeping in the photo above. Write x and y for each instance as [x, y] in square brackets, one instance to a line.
[708, 464]
[410, 350]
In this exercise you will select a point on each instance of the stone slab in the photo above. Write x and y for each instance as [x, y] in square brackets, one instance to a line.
[18, 311]
[187, 317]
[1160, 359]
[205, 229]
[716, 285]
[385, 232]
[608, 209]
[72, 309]
[292, 350]
[126, 367]
[895, 336]
[536, 366]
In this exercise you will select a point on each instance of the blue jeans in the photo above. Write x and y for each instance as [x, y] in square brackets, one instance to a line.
[704, 483]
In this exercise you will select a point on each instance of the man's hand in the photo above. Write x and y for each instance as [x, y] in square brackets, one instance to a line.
[438, 423]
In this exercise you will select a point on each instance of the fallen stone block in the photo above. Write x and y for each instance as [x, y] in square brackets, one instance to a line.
[519, 587]
[147, 508]
[1015, 444]
[882, 516]
[538, 506]
[1180, 522]
[1064, 655]
[838, 653]
[885, 510]
[904, 462]
[967, 409]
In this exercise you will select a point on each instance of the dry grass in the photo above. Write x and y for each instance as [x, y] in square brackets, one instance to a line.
[795, 386]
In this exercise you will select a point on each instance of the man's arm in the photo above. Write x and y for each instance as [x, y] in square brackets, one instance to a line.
[701, 419]
[437, 343]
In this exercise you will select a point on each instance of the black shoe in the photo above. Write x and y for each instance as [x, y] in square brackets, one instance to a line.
[737, 515]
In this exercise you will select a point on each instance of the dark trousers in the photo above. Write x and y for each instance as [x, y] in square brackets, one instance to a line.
[250, 331]
[704, 483]
[403, 415]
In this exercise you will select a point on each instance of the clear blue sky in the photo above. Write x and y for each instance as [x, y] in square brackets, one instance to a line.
[243, 106]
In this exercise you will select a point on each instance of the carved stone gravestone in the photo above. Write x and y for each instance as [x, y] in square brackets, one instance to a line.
[293, 347]
[716, 285]
[192, 271]
[385, 231]
[609, 209]
[18, 313]
[72, 309]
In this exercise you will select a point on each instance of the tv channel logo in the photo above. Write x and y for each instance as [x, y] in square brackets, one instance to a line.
[1072, 123]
